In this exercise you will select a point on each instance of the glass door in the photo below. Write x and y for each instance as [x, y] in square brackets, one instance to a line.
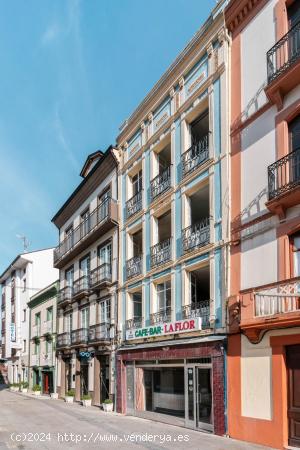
[104, 255]
[198, 397]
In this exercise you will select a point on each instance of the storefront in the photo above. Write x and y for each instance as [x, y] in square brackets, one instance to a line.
[179, 382]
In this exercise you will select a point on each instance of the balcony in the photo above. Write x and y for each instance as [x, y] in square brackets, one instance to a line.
[65, 295]
[196, 155]
[48, 327]
[36, 331]
[164, 315]
[47, 359]
[101, 276]
[134, 204]
[272, 306]
[99, 332]
[35, 360]
[196, 236]
[284, 182]
[80, 336]
[134, 266]
[63, 340]
[198, 309]
[283, 66]
[161, 253]
[81, 286]
[161, 183]
[135, 322]
[98, 222]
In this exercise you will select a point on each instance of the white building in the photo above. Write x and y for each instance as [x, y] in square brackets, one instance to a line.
[27, 274]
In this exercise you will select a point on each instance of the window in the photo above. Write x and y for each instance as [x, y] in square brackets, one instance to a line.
[293, 13]
[24, 345]
[69, 237]
[295, 241]
[84, 266]
[24, 315]
[105, 311]
[68, 325]
[85, 222]
[24, 284]
[137, 304]
[49, 314]
[137, 183]
[104, 205]
[104, 254]
[37, 319]
[163, 295]
[69, 276]
[36, 349]
[294, 133]
[84, 318]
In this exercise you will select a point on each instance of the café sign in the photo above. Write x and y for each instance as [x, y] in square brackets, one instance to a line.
[165, 329]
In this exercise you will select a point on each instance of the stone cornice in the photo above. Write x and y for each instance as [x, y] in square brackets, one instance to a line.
[239, 12]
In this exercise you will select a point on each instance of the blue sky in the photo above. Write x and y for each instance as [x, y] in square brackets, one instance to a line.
[71, 72]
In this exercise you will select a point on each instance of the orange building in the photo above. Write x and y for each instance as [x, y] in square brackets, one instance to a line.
[264, 305]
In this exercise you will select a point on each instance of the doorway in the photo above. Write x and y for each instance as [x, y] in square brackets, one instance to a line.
[84, 378]
[199, 405]
[47, 382]
[104, 378]
[293, 377]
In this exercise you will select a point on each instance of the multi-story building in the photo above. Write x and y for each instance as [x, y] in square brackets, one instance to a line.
[174, 195]
[42, 338]
[87, 259]
[27, 274]
[264, 308]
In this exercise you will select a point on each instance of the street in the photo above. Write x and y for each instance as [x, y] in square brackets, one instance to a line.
[27, 422]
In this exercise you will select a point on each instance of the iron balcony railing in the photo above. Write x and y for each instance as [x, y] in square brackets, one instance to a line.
[284, 174]
[196, 155]
[35, 360]
[134, 204]
[80, 336]
[99, 332]
[284, 53]
[102, 274]
[65, 295]
[48, 327]
[161, 183]
[163, 315]
[98, 216]
[134, 266]
[196, 236]
[198, 309]
[63, 339]
[135, 322]
[81, 285]
[161, 252]
[281, 298]
[36, 331]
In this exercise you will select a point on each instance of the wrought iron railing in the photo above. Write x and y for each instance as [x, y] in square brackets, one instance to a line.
[65, 294]
[284, 174]
[81, 285]
[161, 183]
[284, 53]
[98, 216]
[196, 236]
[48, 327]
[282, 298]
[35, 360]
[99, 332]
[161, 252]
[134, 266]
[80, 336]
[63, 339]
[102, 274]
[163, 315]
[196, 155]
[36, 331]
[135, 322]
[134, 204]
[198, 309]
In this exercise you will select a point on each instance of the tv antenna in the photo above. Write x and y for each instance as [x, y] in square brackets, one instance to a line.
[24, 240]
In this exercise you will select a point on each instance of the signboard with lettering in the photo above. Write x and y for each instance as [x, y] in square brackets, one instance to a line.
[161, 115]
[135, 143]
[165, 329]
[195, 78]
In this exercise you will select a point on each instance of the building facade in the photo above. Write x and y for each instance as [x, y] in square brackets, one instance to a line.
[87, 259]
[264, 321]
[27, 274]
[42, 339]
[174, 230]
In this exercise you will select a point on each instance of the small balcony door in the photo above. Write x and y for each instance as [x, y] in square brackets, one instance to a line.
[164, 296]
[85, 265]
[104, 257]
[294, 133]
[69, 275]
[85, 223]
[105, 311]
[293, 375]
[68, 323]
[137, 183]
[84, 318]
[104, 205]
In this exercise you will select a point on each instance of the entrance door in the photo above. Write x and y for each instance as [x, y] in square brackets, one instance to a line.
[46, 383]
[293, 367]
[130, 388]
[198, 397]
[84, 378]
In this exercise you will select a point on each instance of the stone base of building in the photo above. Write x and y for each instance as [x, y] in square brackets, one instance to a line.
[181, 384]
[263, 382]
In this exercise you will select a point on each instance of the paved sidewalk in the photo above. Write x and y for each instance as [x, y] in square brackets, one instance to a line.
[29, 422]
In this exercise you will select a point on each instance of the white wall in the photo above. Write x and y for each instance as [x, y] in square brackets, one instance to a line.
[256, 39]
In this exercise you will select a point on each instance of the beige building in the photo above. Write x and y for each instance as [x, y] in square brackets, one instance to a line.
[42, 338]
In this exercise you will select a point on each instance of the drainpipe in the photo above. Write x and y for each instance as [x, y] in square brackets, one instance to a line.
[29, 347]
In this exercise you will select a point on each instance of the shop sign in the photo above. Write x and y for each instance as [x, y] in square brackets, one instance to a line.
[164, 329]
[85, 354]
